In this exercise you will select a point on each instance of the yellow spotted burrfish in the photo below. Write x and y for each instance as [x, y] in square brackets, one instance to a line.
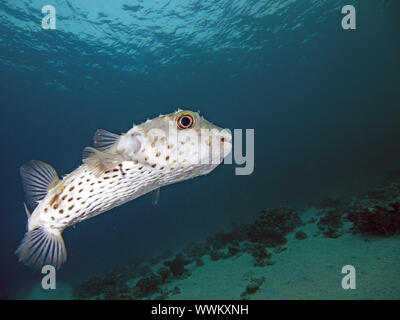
[118, 169]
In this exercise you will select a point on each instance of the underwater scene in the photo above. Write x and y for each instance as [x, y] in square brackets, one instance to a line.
[200, 150]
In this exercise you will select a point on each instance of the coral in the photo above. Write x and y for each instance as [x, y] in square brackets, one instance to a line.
[272, 225]
[196, 250]
[177, 266]
[253, 287]
[164, 273]
[216, 255]
[233, 250]
[261, 257]
[175, 291]
[301, 235]
[378, 220]
[165, 293]
[330, 223]
[221, 239]
[112, 286]
[266, 235]
[147, 286]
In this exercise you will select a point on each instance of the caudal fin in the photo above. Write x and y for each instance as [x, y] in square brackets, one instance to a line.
[42, 246]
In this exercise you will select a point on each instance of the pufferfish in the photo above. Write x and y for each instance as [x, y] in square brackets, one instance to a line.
[120, 168]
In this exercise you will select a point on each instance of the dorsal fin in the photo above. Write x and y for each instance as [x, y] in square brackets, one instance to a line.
[100, 160]
[103, 139]
[37, 178]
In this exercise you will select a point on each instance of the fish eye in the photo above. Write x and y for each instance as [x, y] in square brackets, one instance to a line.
[185, 121]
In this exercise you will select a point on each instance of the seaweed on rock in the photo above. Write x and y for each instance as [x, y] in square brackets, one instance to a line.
[177, 265]
[330, 223]
[252, 287]
[112, 286]
[272, 225]
[147, 286]
[378, 220]
[261, 257]
[164, 273]
[217, 255]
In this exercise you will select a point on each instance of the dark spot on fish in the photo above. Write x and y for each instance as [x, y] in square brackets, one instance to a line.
[55, 206]
[105, 178]
[70, 208]
[61, 211]
[52, 218]
[80, 183]
[154, 165]
[72, 188]
[63, 197]
[167, 158]
[70, 199]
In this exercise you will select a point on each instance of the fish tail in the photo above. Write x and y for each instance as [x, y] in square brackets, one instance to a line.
[42, 246]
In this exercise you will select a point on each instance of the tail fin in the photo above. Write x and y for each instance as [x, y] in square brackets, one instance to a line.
[42, 246]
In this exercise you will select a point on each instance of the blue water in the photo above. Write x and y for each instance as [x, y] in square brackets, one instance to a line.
[324, 103]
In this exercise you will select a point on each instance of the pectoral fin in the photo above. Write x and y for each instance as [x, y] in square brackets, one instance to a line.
[99, 161]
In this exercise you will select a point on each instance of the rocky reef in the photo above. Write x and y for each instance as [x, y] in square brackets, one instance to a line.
[272, 225]
[375, 212]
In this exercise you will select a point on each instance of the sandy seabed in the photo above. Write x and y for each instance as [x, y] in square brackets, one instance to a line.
[307, 269]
